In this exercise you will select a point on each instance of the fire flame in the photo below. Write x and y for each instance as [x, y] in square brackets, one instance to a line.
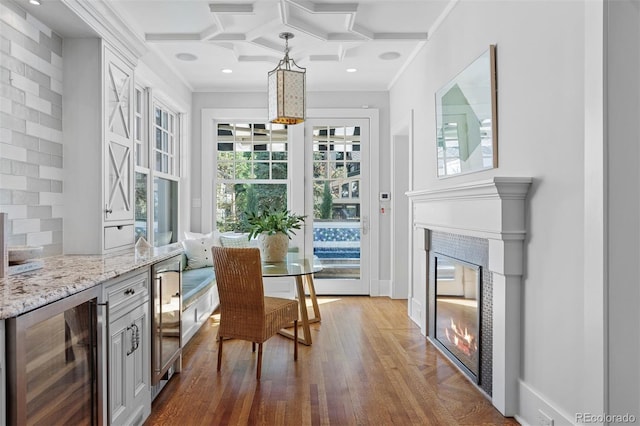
[462, 339]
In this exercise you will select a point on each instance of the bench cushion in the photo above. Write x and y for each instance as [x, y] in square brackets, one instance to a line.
[196, 282]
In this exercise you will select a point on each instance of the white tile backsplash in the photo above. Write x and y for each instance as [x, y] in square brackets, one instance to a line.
[31, 136]
[40, 238]
[42, 105]
[20, 82]
[9, 17]
[24, 226]
[13, 152]
[13, 182]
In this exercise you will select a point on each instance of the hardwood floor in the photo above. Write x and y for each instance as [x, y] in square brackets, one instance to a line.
[368, 365]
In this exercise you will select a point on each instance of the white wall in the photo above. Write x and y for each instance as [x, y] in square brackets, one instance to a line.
[623, 136]
[379, 100]
[540, 134]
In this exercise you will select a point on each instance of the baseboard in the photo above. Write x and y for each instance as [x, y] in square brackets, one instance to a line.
[415, 312]
[384, 288]
[533, 406]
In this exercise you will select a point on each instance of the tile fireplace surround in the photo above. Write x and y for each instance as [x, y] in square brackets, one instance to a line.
[494, 210]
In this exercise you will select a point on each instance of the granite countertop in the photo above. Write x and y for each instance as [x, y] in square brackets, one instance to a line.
[63, 276]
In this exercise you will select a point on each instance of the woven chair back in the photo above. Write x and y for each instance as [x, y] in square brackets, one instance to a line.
[240, 286]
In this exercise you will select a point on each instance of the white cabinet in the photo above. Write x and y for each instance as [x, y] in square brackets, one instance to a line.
[98, 148]
[129, 349]
[3, 382]
[118, 140]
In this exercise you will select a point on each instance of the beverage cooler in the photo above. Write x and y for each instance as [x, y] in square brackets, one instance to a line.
[54, 354]
[166, 335]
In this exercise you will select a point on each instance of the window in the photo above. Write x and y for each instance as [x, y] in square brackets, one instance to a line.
[252, 171]
[165, 148]
[142, 162]
[161, 169]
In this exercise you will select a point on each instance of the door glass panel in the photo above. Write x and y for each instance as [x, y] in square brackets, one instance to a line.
[118, 101]
[141, 206]
[336, 212]
[119, 157]
[165, 200]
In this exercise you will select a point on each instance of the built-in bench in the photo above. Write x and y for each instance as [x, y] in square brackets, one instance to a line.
[199, 298]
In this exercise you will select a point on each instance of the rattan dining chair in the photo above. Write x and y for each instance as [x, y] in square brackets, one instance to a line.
[245, 312]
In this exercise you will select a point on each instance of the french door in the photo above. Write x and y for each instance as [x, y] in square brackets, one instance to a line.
[337, 203]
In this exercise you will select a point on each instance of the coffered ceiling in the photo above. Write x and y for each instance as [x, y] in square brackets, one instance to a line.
[199, 39]
[374, 37]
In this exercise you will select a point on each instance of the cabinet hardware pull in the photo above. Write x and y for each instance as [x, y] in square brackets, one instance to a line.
[130, 351]
[136, 339]
[129, 292]
[108, 211]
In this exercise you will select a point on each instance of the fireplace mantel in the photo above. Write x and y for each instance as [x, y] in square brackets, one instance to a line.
[492, 209]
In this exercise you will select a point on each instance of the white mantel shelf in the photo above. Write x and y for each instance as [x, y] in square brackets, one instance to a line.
[494, 209]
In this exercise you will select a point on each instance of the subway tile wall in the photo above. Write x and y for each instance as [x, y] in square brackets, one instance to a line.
[31, 160]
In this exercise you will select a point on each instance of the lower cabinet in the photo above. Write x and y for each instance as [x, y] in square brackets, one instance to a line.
[129, 367]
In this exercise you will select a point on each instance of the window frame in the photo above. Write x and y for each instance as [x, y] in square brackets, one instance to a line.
[210, 117]
[252, 161]
[145, 163]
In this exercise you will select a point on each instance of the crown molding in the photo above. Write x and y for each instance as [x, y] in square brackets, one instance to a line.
[101, 17]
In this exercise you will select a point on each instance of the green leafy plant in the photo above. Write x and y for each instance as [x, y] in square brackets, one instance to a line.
[273, 221]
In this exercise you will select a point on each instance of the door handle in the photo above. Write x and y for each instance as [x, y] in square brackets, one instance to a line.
[364, 225]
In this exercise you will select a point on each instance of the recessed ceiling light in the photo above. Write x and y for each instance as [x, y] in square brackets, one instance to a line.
[388, 56]
[351, 70]
[226, 70]
[36, 2]
[186, 57]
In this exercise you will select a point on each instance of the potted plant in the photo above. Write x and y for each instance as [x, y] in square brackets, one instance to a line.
[273, 230]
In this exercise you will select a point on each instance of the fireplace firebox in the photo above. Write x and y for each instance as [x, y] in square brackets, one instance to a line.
[457, 312]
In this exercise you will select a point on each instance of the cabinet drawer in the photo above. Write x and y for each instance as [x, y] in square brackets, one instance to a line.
[130, 290]
[118, 236]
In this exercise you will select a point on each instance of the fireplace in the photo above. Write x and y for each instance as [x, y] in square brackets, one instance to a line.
[482, 223]
[457, 315]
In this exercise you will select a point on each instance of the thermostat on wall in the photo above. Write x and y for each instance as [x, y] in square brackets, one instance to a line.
[385, 196]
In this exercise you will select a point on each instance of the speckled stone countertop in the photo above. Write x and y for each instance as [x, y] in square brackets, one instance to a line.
[63, 276]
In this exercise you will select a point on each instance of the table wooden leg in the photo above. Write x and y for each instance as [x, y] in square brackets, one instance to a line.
[305, 339]
[314, 300]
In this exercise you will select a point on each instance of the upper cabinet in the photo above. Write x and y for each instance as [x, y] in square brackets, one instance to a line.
[118, 141]
[98, 148]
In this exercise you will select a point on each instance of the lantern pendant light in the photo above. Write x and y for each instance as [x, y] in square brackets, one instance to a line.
[287, 89]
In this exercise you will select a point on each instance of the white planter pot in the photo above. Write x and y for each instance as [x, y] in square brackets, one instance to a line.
[273, 248]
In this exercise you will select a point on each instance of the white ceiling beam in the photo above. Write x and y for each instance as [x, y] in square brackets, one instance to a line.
[229, 37]
[324, 58]
[400, 36]
[365, 33]
[268, 44]
[210, 32]
[234, 8]
[272, 27]
[160, 37]
[313, 7]
[307, 28]
[258, 58]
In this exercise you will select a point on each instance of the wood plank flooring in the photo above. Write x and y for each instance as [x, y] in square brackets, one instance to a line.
[368, 365]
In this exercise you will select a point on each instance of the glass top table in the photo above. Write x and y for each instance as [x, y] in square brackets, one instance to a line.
[302, 270]
[291, 267]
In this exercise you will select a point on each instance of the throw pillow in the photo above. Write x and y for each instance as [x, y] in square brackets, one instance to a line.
[195, 235]
[198, 252]
[237, 241]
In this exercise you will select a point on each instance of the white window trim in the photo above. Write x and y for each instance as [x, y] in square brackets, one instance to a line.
[150, 101]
